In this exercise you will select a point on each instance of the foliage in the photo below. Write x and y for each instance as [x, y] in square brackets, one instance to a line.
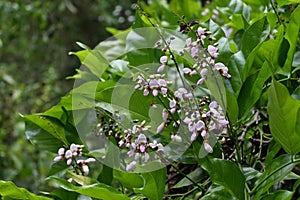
[207, 108]
[33, 65]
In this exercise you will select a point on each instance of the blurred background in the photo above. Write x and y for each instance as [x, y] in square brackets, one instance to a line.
[35, 38]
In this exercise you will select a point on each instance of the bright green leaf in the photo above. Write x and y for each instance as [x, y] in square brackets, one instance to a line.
[287, 2]
[284, 115]
[96, 190]
[8, 190]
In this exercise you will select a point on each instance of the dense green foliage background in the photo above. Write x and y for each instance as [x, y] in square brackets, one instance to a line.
[35, 38]
[256, 155]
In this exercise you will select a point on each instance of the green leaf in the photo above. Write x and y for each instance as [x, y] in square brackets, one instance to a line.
[296, 93]
[217, 88]
[49, 125]
[106, 175]
[128, 179]
[8, 190]
[232, 107]
[287, 2]
[227, 174]
[154, 186]
[284, 116]
[283, 51]
[255, 35]
[217, 192]
[81, 180]
[239, 7]
[292, 32]
[96, 190]
[278, 195]
[94, 60]
[257, 2]
[195, 175]
[252, 89]
[236, 68]
[63, 194]
[41, 137]
[275, 172]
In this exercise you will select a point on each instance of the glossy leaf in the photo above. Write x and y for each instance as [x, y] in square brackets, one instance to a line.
[227, 174]
[254, 35]
[96, 190]
[128, 179]
[8, 190]
[284, 113]
[41, 137]
[195, 175]
[252, 89]
[217, 192]
[275, 172]
[278, 195]
[154, 184]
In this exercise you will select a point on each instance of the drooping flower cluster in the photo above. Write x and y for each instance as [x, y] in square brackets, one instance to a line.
[139, 146]
[71, 154]
[205, 58]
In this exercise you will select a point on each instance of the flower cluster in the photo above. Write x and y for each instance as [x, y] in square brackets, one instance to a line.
[139, 145]
[155, 84]
[205, 58]
[69, 155]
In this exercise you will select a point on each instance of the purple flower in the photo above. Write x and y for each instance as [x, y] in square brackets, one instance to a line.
[176, 138]
[213, 51]
[193, 136]
[131, 166]
[163, 59]
[207, 146]
[160, 128]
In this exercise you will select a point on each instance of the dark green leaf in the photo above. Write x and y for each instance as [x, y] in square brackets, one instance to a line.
[255, 35]
[278, 195]
[154, 186]
[252, 89]
[227, 174]
[128, 179]
[275, 172]
[283, 51]
[195, 175]
[218, 192]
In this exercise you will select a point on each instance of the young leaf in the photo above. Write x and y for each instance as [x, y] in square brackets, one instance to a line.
[284, 114]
